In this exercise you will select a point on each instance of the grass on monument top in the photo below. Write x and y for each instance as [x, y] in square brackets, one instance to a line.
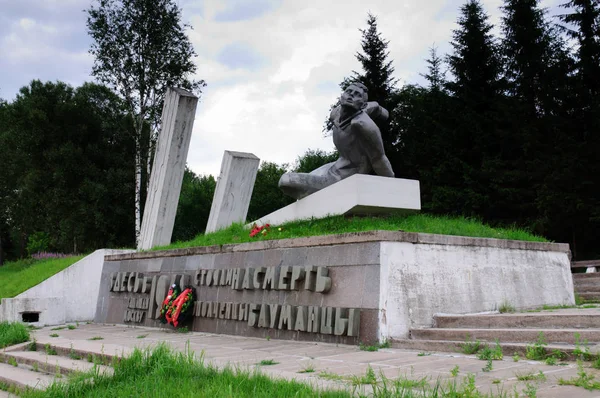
[18, 276]
[425, 223]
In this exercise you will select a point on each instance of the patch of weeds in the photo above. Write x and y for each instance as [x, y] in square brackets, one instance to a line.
[310, 368]
[423, 354]
[489, 366]
[96, 338]
[90, 358]
[405, 383]
[589, 306]
[35, 367]
[582, 353]
[537, 350]
[375, 347]
[487, 353]
[583, 379]
[58, 328]
[13, 332]
[331, 376]
[496, 381]
[516, 357]
[13, 362]
[506, 307]
[385, 344]
[142, 336]
[551, 361]
[454, 371]
[368, 378]
[183, 329]
[71, 327]
[49, 350]
[471, 347]
[54, 335]
[268, 338]
[267, 362]
[530, 390]
[32, 346]
[540, 376]
[73, 354]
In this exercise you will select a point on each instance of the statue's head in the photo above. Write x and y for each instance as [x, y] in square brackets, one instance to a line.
[355, 96]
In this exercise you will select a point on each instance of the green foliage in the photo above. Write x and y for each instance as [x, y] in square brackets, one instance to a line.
[313, 159]
[368, 378]
[12, 333]
[336, 225]
[583, 379]
[487, 353]
[489, 366]
[12, 361]
[96, 338]
[267, 362]
[63, 141]
[454, 371]
[49, 350]
[506, 307]
[21, 275]
[531, 376]
[375, 347]
[38, 242]
[471, 347]
[194, 205]
[53, 335]
[266, 196]
[537, 351]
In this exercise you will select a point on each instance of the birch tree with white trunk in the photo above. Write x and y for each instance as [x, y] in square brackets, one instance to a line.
[141, 48]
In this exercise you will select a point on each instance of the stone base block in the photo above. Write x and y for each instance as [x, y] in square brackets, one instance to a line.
[350, 288]
[359, 194]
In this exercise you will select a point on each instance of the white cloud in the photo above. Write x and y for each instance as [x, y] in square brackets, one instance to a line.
[276, 110]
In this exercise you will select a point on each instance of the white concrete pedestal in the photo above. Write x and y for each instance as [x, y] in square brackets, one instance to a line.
[359, 194]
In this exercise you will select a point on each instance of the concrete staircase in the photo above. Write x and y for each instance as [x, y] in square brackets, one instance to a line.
[561, 330]
[33, 366]
[587, 286]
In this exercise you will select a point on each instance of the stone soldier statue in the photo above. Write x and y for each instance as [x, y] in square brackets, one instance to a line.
[358, 141]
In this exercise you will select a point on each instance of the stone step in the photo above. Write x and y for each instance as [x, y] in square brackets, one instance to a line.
[22, 377]
[587, 288]
[591, 275]
[566, 336]
[508, 349]
[589, 296]
[543, 320]
[55, 364]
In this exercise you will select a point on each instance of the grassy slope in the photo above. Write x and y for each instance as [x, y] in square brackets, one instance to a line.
[336, 225]
[18, 276]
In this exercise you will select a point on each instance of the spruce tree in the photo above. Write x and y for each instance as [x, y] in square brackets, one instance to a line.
[475, 135]
[435, 76]
[376, 74]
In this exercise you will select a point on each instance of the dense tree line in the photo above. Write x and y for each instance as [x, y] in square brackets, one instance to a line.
[506, 129]
[67, 163]
[511, 136]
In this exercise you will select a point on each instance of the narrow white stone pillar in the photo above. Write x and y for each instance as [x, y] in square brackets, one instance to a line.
[234, 190]
[178, 115]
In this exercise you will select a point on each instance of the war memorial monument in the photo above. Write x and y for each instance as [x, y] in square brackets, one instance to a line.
[349, 288]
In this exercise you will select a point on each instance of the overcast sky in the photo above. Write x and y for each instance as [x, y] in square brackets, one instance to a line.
[272, 66]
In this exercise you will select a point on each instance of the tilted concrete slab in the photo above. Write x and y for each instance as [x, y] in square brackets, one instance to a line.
[359, 194]
[234, 189]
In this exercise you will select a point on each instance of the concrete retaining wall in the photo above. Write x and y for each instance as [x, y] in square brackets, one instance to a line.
[68, 296]
[396, 280]
[420, 280]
